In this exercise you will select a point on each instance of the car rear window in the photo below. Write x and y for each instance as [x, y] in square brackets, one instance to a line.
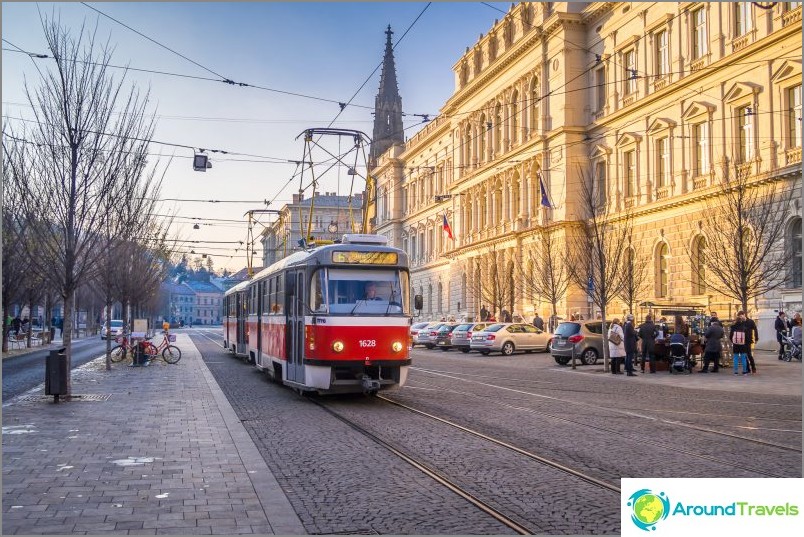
[420, 325]
[116, 324]
[463, 327]
[493, 328]
[595, 328]
[567, 329]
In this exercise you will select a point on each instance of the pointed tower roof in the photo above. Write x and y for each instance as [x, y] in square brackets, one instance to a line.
[388, 128]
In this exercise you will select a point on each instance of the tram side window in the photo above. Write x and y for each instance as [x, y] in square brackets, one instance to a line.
[279, 306]
[318, 286]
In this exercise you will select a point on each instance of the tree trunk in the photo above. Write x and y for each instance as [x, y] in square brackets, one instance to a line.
[606, 367]
[6, 327]
[108, 323]
[30, 323]
[66, 335]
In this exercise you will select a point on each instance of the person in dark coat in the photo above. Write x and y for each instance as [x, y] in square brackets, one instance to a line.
[751, 337]
[484, 313]
[738, 337]
[16, 324]
[647, 334]
[630, 340]
[538, 322]
[713, 346]
[781, 327]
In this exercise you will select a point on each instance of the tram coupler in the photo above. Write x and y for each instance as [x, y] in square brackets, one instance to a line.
[370, 385]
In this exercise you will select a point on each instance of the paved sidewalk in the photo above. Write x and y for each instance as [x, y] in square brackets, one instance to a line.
[774, 377]
[152, 450]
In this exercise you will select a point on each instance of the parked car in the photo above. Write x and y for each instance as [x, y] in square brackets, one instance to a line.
[508, 338]
[584, 338]
[462, 335]
[116, 327]
[428, 334]
[414, 333]
[443, 339]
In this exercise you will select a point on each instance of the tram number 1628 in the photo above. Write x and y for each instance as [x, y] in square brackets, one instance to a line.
[368, 343]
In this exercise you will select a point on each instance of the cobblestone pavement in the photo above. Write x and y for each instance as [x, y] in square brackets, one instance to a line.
[159, 451]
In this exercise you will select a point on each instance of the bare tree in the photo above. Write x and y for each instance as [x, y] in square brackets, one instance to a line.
[744, 229]
[635, 277]
[12, 235]
[496, 285]
[89, 130]
[547, 277]
[595, 253]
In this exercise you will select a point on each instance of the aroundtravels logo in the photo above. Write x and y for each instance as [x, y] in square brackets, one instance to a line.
[648, 508]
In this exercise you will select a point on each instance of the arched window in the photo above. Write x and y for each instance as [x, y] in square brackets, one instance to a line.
[795, 250]
[662, 270]
[463, 289]
[498, 129]
[430, 298]
[515, 118]
[515, 196]
[699, 266]
[481, 149]
[467, 148]
[440, 297]
[533, 101]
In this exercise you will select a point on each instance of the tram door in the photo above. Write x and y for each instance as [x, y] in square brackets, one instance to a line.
[242, 312]
[295, 328]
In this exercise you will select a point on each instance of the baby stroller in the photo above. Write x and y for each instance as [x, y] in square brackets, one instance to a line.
[792, 349]
[679, 357]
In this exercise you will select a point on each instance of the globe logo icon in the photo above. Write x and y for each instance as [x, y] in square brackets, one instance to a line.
[648, 508]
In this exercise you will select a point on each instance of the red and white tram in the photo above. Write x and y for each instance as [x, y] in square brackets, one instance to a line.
[331, 319]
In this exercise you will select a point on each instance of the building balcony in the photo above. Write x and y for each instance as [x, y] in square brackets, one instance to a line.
[697, 64]
[629, 99]
[739, 43]
[662, 192]
[793, 155]
[630, 202]
[699, 182]
[660, 83]
[792, 17]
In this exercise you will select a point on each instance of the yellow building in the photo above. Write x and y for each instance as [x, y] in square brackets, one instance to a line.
[651, 104]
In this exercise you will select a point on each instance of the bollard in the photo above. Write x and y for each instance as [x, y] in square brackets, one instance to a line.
[56, 374]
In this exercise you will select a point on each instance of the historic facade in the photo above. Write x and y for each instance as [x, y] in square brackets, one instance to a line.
[649, 103]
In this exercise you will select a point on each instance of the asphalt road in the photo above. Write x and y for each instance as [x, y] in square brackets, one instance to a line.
[21, 373]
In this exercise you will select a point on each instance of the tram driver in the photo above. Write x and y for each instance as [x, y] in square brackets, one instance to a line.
[371, 291]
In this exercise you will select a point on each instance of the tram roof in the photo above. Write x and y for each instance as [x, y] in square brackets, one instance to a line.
[299, 257]
[239, 287]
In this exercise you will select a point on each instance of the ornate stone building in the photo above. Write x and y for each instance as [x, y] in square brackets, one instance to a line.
[651, 103]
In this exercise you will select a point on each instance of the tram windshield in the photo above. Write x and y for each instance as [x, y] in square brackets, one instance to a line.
[360, 292]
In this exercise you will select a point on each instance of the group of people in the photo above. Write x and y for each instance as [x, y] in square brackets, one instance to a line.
[16, 326]
[622, 341]
[785, 326]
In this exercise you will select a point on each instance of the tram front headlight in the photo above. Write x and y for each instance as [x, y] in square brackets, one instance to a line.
[337, 346]
[397, 346]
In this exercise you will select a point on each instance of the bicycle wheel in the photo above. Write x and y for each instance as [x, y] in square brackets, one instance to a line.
[118, 353]
[171, 354]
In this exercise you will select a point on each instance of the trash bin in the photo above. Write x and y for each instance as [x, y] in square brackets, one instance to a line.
[56, 374]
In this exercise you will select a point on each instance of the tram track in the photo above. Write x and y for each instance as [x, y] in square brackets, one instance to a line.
[630, 413]
[510, 521]
[675, 450]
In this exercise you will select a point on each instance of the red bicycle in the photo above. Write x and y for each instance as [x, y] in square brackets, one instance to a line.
[123, 348]
[170, 353]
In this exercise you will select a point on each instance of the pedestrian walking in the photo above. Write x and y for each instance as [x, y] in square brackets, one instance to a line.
[630, 342]
[16, 323]
[506, 316]
[737, 335]
[538, 322]
[484, 313]
[780, 325]
[647, 335]
[713, 346]
[616, 341]
[751, 337]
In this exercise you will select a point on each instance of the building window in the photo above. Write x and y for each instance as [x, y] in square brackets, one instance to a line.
[629, 76]
[600, 89]
[534, 105]
[662, 55]
[600, 182]
[701, 140]
[498, 130]
[662, 162]
[795, 258]
[743, 19]
[629, 166]
[515, 118]
[794, 117]
[745, 125]
[481, 150]
[699, 266]
[663, 266]
[699, 34]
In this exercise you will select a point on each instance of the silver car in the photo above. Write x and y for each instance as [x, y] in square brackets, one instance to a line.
[584, 339]
[415, 329]
[508, 338]
[462, 335]
[427, 335]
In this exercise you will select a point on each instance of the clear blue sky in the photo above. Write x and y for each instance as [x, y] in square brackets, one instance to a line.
[325, 50]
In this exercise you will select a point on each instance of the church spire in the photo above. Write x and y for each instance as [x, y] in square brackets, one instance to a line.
[388, 128]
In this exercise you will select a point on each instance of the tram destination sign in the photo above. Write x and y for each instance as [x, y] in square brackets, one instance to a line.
[366, 258]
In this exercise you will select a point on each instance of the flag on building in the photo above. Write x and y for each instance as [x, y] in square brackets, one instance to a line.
[446, 227]
[545, 200]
